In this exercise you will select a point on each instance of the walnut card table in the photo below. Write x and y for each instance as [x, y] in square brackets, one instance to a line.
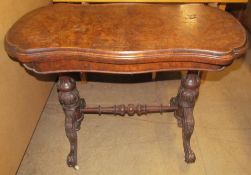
[126, 38]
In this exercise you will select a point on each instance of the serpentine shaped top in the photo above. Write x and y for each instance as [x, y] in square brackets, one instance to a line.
[127, 33]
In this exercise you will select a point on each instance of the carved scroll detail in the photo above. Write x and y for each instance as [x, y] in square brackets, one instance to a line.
[182, 105]
[185, 100]
[70, 101]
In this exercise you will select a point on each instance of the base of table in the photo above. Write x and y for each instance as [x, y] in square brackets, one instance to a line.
[182, 105]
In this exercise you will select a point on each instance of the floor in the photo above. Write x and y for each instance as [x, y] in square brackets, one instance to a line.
[151, 144]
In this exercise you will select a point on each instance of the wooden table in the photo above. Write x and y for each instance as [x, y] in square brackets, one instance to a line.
[126, 38]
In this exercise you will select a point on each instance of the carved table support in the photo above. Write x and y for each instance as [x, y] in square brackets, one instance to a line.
[185, 101]
[71, 103]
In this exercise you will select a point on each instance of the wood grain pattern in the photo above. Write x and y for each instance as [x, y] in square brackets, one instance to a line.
[72, 37]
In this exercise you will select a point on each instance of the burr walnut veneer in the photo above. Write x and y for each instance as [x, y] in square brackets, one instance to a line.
[126, 38]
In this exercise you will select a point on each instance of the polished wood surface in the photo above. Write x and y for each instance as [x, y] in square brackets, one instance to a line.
[103, 37]
[158, 1]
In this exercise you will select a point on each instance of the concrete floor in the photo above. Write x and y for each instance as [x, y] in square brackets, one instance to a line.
[152, 144]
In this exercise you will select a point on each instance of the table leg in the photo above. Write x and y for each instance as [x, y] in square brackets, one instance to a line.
[83, 77]
[70, 100]
[185, 100]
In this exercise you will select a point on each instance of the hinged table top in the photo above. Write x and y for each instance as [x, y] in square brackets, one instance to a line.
[127, 33]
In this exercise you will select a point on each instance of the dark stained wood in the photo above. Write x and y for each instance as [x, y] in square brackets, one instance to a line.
[129, 109]
[125, 38]
[70, 100]
[185, 102]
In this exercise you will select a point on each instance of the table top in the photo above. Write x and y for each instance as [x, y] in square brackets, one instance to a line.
[127, 34]
[158, 1]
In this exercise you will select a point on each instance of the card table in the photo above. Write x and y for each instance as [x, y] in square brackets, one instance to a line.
[126, 38]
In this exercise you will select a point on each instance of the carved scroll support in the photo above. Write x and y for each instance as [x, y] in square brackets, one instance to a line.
[182, 105]
[71, 103]
[185, 100]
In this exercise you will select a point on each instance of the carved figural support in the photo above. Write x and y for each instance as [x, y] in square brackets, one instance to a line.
[185, 101]
[71, 103]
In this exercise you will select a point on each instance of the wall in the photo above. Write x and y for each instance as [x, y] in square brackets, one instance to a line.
[22, 96]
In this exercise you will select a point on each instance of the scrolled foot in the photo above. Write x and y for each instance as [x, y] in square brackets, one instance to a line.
[71, 160]
[190, 157]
